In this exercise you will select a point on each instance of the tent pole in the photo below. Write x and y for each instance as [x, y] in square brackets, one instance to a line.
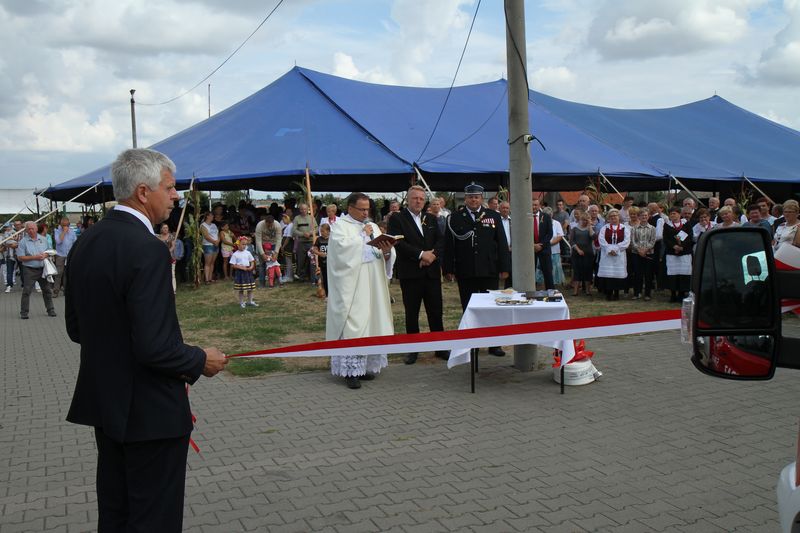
[183, 211]
[693, 195]
[424, 183]
[609, 182]
[51, 212]
[17, 213]
[759, 190]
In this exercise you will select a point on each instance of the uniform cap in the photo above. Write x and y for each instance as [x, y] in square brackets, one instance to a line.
[473, 188]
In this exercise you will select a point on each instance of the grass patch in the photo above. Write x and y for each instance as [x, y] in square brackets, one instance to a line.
[247, 368]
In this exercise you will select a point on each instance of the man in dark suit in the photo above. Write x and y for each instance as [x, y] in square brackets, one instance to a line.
[476, 251]
[417, 265]
[134, 365]
[542, 235]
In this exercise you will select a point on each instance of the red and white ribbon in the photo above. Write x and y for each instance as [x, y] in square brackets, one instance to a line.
[531, 333]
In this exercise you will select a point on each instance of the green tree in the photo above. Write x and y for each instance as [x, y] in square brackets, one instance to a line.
[233, 197]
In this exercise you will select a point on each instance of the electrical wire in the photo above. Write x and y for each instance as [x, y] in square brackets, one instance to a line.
[450, 90]
[476, 130]
[516, 48]
[221, 64]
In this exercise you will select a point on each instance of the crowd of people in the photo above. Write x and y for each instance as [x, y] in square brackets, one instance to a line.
[640, 249]
[630, 249]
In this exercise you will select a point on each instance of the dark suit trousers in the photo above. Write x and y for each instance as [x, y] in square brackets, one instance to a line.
[545, 261]
[416, 291]
[140, 485]
[469, 286]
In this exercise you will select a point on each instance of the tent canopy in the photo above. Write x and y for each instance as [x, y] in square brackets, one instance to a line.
[361, 136]
[706, 141]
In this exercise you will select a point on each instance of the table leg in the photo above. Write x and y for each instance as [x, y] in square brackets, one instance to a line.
[473, 366]
[562, 379]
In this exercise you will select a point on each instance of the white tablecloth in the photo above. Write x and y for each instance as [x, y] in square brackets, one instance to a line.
[482, 311]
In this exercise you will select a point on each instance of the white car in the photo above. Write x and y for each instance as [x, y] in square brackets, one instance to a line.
[789, 497]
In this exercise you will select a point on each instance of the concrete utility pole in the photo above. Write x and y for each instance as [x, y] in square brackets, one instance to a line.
[519, 166]
[133, 118]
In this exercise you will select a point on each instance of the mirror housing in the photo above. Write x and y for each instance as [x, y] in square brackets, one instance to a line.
[736, 317]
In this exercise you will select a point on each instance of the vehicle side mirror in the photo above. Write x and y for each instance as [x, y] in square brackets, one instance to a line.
[735, 319]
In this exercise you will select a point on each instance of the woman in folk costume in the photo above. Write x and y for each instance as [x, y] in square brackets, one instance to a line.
[614, 239]
[677, 241]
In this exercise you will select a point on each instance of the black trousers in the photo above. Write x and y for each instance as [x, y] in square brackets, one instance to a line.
[415, 292]
[545, 261]
[469, 286]
[643, 271]
[140, 485]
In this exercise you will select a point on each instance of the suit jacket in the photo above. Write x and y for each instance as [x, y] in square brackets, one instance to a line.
[134, 365]
[413, 243]
[545, 231]
[485, 254]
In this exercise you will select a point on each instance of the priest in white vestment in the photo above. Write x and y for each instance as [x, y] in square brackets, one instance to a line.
[358, 297]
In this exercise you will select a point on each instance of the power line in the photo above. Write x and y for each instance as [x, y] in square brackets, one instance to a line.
[516, 48]
[473, 133]
[450, 90]
[223, 63]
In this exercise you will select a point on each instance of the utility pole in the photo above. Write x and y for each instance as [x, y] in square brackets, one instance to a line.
[133, 118]
[523, 265]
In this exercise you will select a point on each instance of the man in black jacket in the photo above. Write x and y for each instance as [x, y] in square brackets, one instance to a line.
[542, 235]
[417, 265]
[476, 252]
[134, 365]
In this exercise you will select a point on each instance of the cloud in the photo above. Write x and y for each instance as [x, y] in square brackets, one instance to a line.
[344, 66]
[553, 80]
[421, 29]
[632, 29]
[780, 63]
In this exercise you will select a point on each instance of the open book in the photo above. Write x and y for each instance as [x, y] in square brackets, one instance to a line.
[384, 237]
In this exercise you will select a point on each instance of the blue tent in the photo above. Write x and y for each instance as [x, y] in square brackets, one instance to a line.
[361, 136]
[703, 142]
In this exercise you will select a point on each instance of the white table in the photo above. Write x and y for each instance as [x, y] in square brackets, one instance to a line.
[482, 311]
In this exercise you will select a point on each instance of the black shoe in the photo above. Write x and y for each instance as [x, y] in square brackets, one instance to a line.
[497, 351]
[24, 317]
[410, 358]
[443, 354]
[51, 313]
[367, 377]
[352, 382]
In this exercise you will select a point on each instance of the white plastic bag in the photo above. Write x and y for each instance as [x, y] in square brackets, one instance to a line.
[50, 269]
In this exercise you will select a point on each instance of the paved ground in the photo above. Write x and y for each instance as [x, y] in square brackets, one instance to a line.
[654, 446]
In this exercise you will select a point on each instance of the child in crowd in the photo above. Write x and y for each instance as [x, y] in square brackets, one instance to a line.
[227, 247]
[320, 249]
[272, 266]
[243, 264]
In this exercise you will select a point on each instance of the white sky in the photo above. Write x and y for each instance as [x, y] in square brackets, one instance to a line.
[66, 66]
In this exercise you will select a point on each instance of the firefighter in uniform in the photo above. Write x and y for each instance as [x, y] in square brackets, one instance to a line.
[476, 251]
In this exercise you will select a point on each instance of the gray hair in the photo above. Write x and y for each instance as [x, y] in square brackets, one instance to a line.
[30, 223]
[138, 166]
